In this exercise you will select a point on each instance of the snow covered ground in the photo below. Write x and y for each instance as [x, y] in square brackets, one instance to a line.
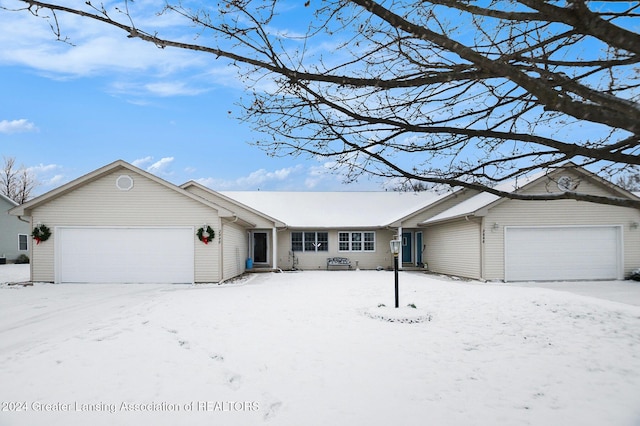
[314, 348]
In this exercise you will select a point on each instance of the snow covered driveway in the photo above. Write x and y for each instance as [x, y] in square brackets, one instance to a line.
[303, 349]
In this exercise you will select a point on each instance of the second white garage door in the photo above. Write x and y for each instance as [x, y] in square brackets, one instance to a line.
[563, 253]
[124, 255]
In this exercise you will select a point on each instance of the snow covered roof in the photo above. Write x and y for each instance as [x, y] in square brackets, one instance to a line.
[335, 209]
[482, 200]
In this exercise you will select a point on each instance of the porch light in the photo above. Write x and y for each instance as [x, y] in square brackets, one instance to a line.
[395, 250]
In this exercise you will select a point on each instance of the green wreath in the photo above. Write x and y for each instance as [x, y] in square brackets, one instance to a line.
[41, 233]
[210, 233]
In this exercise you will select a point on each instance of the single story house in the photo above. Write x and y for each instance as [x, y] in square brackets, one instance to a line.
[14, 233]
[122, 224]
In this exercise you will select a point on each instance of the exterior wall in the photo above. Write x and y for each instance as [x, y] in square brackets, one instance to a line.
[234, 250]
[10, 228]
[148, 203]
[318, 260]
[454, 248]
[560, 212]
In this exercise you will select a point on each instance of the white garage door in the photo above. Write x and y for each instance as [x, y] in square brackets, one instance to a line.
[563, 253]
[124, 255]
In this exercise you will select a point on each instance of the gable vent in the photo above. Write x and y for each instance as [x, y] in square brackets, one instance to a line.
[124, 182]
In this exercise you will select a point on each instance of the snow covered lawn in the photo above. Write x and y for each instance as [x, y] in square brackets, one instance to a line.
[314, 348]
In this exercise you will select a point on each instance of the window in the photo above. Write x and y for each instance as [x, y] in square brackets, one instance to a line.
[296, 241]
[309, 241]
[357, 241]
[23, 242]
[369, 241]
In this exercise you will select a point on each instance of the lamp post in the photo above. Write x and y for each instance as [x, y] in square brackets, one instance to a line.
[395, 249]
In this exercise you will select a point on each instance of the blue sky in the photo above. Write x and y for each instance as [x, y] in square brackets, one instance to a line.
[67, 110]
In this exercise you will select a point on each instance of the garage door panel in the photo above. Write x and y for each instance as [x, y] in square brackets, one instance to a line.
[562, 253]
[125, 255]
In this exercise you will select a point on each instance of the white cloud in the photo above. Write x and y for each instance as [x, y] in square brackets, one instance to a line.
[323, 177]
[172, 89]
[149, 164]
[95, 49]
[48, 176]
[55, 180]
[142, 162]
[160, 167]
[17, 126]
[255, 180]
[43, 168]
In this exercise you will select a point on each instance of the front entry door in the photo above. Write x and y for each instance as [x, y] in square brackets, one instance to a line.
[260, 247]
[406, 247]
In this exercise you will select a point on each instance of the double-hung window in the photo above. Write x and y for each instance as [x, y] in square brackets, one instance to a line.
[309, 241]
[23, 242]
[357, 241]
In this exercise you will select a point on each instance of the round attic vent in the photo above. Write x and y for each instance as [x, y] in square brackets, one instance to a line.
[566, 184]
[124, 182]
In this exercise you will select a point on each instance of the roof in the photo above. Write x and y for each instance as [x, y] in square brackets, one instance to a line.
[221, 196]
[476, 205]
[8, 200]
[335, 209]
[481, 200]
[25, 208]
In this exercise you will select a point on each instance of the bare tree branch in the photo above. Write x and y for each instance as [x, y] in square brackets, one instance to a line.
[441, 91]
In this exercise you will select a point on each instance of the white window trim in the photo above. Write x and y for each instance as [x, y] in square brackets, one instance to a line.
[27, 238]
[303, 241]
[362, 241]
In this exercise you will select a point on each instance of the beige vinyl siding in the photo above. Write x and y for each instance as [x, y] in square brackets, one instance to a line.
[148, 203]
[586, 185]
[454, 248]
[234, 250]
[559, 212]
[318, 260]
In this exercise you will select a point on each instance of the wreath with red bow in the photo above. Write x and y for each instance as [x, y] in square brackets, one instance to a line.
[206, 235]
[41, 233]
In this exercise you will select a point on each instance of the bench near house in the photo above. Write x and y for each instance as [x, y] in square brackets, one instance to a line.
[338, 261]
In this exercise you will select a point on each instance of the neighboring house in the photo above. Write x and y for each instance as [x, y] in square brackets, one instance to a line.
[121, 224]
[14, 233]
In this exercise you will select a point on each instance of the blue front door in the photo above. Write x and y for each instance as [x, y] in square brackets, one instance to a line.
[406, 247]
